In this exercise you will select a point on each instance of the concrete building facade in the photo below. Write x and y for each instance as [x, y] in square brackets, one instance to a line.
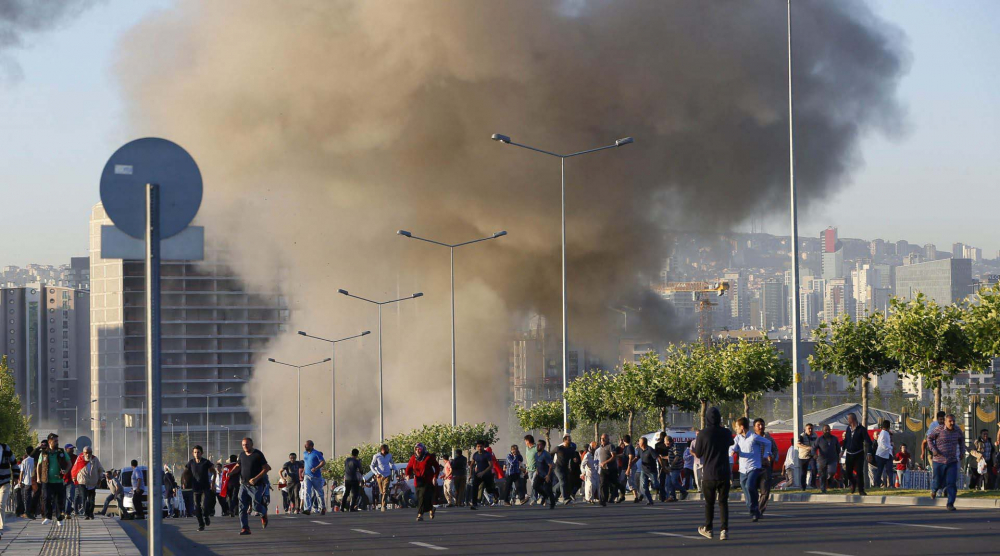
[213, 329]
[46, 340]
[945, 281]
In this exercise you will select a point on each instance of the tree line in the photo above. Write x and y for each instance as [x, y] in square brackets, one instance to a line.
[917, 338]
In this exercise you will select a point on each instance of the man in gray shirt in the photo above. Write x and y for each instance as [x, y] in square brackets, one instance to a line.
[609, 469]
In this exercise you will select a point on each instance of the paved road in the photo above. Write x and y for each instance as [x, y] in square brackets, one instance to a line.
[788, 528]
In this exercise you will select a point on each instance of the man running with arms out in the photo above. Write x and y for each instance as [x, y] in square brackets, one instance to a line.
[383, 468]
[752, 450]
[312, 464]
[202, 481]
[252, 467]
[947, 448]
[712, 447]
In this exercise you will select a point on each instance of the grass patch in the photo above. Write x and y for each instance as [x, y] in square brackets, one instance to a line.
[923, 493]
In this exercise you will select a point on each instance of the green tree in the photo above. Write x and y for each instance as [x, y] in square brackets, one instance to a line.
[175, 450]
[437, 438]
[897, 398]
[659, 388]
[749, 369]
[630, 392]
[589, 398]
[931, 342]
[693, 376]
[982, 321]
[543, 416]
[15, 430]
[855, 350]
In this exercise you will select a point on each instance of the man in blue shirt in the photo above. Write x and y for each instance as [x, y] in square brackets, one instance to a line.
[752, 450]
[313, 463]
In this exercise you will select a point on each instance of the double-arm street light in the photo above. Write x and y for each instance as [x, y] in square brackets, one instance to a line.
[208, 397]
[562, 165]
[379, 304]
[451, 247]
[333, 383]
[298, 380]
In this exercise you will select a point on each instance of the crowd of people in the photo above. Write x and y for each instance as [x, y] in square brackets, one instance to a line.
[59, 484]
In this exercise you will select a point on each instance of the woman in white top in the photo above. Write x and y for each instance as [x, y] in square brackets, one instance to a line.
[591, 473]
[883, 456]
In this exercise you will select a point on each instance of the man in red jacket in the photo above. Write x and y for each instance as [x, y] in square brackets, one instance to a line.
[424, 469]
[229, 490]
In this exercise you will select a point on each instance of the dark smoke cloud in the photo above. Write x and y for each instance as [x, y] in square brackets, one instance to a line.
[20, 18]
[322, 127]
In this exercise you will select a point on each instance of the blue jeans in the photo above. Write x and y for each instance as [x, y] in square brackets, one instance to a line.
[937, 474]
[749, 482]
[946, 477]
[251, 495]
[314, 490]
[883, 472]
[645, 479]
[675, 483]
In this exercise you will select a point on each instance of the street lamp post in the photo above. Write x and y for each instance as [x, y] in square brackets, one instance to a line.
[379, 304]
[260, 404]
[207, 399]
[451, 248]
[562, 166]
[298, 380]
[229, 439]
[333, 383]
[796, 317]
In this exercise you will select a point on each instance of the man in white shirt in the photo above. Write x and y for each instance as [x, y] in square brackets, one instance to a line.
[383, 467]
[28, 479]
[883, 456]
[752, 450]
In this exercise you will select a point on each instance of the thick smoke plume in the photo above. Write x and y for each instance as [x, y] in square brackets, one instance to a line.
[22, 18]
[323, 127]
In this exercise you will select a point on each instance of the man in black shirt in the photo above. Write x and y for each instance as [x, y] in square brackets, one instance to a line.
[352, 482]
[662, 452]
[482, 472]
[202, 479]
[647, 469]
[290, 472]
[565, 453]
[459, 476]
[253, 468]
[712, 448]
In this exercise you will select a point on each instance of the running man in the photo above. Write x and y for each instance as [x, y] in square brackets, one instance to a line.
[542, 483]
[383, 468]
[253, 468]
[481, 465]
[947, 446]
[752, 450]
[312, 476]
[202, 486]
[856, 445]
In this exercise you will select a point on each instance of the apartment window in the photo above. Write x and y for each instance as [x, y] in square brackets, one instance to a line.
[65, 344]
[65, 364]
[65, 334]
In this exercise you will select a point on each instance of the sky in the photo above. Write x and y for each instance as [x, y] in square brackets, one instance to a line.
[934, 183]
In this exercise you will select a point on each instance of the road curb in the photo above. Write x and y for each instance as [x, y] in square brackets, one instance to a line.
[870, 499]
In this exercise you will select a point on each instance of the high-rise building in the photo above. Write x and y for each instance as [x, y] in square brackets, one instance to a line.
[46, 340]
[838, 300]
[930, 252]
[772, 303]
[212, 330]
[958, 250]
[739, 298]
[878, 248]
[973, 253]
[902, 248]
[945, 281]
[833, 255]
[829, 240]
[536, 363]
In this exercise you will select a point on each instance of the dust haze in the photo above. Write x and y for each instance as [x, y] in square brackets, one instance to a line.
[323, 127]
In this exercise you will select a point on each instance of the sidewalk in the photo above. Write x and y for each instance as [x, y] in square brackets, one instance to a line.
[76, 537]
[799, 496]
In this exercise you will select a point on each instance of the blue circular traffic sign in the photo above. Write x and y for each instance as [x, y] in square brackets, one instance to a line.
[157, 161]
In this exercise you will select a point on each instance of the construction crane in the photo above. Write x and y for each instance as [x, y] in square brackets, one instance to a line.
[701, 294]
[704, 300]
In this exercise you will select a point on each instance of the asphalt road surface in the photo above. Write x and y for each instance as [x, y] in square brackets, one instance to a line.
[787, 528]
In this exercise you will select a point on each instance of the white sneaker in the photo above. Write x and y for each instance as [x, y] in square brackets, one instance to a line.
[46, 521]
[724, 535]
[59, 523]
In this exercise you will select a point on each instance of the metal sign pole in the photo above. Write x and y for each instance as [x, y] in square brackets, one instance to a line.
[154, 419]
